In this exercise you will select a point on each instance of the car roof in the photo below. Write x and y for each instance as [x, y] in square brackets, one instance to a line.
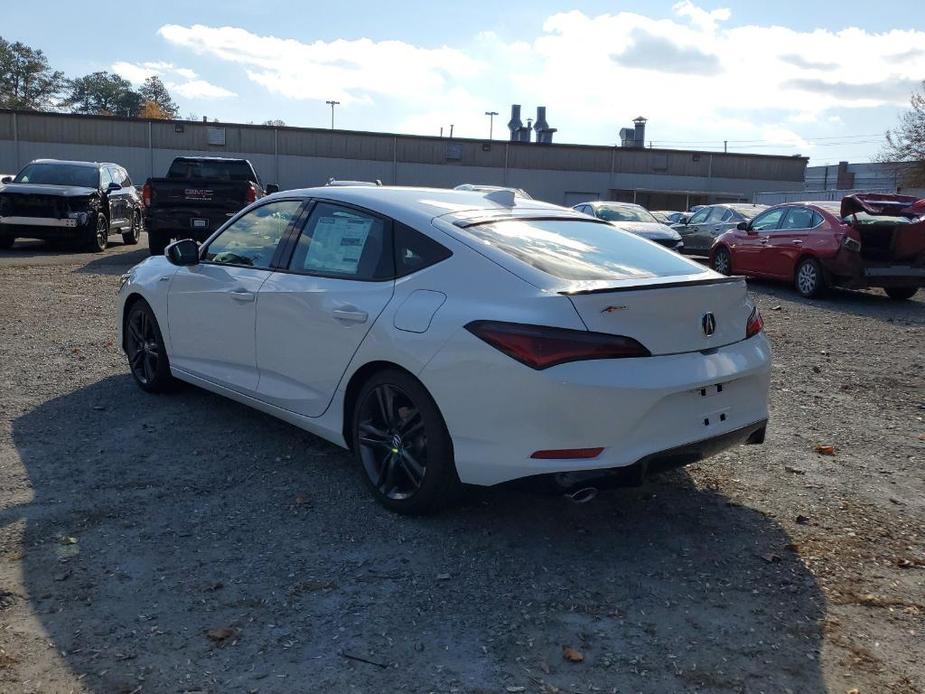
[419, 206]
[88, 164]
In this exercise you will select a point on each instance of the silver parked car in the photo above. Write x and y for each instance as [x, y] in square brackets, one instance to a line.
[633, 218]
[708, 222]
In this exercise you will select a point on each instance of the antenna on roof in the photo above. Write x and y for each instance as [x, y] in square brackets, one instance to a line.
[502, 197]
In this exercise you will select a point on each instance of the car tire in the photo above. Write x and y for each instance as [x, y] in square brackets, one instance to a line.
[157, 242]
[900, 293]
[809, 279]
[130, 238]
[722, 261]
[402, 445]
[144, 346]
[6, 242]
[98, 235]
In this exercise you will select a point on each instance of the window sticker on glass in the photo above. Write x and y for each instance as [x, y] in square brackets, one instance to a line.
[337, 244]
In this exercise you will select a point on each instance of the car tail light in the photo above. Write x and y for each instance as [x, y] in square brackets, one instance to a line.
[541, 347]
[147, 194]
[755, 324]
[567, 454]
[251, 193]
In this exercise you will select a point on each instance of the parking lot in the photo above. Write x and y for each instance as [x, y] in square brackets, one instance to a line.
[186, 543]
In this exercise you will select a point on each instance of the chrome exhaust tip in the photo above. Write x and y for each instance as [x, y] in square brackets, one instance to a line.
[582, 496]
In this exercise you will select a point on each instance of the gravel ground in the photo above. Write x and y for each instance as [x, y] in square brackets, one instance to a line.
[185, 543]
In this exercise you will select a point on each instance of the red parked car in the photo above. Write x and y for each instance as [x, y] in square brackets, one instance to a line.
[867, 240]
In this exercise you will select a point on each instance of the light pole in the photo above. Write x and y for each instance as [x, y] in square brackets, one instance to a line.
[491, 122]
[332, 104]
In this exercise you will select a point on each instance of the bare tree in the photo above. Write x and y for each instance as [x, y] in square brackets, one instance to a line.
[906, 142]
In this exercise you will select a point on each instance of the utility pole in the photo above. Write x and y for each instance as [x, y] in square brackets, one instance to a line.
[332, 104]
[725, 148]
[491, 123]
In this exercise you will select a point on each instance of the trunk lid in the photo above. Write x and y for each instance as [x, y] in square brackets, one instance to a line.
[880, 204]
[669, 317]
[198, 193]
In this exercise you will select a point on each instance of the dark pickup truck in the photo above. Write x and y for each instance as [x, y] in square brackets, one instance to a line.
[197, 196]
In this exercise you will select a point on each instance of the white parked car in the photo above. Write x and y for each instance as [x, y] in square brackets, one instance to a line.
[452, 337]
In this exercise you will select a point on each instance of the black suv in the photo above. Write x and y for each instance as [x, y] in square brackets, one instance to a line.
[70, 200]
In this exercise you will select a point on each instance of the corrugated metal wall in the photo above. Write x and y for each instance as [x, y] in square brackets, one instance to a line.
[298, 157]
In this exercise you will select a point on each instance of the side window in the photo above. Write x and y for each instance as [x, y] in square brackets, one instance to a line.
[124, 179]
[768, 220]
[252, 239]
[345, 243]
[797, 218]
[700, 216]
[817, 219]
[718, 214]
[414, 251]
[105, 177]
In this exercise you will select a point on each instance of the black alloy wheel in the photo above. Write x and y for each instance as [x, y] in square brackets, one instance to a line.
[144, 346]
[402, 445]
[100, 234]
[900, 293]
[130, 238]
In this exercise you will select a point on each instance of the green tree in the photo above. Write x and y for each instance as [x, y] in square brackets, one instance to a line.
[154, 92]
[26, 80]
[906, 142]
[104, 94]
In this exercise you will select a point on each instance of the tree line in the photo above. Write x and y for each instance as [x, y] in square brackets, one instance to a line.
[27, 82]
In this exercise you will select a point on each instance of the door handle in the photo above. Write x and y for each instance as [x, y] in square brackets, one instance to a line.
[764, 242]
[242, 295]
[352, 316]
[797, 242]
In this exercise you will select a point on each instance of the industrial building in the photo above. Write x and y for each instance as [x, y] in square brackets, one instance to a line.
[835, 181]
[301, 157]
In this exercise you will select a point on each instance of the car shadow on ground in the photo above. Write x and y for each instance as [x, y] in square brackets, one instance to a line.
[158, 518]
[115, 260]
[872, 303]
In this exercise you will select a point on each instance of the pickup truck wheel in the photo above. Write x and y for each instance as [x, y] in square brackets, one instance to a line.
[808, 279]
[98, 236]
[130, 238]
[7, 242]
[900, 293]
[144, 345]
[157, 242]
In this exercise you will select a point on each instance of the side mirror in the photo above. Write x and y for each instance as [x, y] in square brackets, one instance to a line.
[113, 187]
[742, 226]
[272, 188]
[6, 179]
[183, 252]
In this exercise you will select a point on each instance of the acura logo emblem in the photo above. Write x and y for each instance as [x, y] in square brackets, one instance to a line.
[709, 324]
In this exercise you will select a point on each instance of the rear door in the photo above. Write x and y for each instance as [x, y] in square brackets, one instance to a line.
[312, 317]
[211, 307]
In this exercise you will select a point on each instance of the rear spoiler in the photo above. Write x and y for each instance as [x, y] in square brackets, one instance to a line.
[881, 204]
[657, 285]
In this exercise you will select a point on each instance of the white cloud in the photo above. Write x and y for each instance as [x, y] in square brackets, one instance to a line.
[349, 71]
[695, 74]
[178, 80]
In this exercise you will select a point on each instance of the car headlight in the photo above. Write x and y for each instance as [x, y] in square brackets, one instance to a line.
[124, 279]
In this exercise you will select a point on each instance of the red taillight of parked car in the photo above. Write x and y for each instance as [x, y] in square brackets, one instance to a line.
[541, 347]
[147, 194]
[755, 324]
[251, 193]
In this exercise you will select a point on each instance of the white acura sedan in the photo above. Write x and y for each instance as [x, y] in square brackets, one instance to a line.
[450, 337]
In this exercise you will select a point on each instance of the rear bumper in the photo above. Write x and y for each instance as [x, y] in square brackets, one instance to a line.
[500, 412]
[186, 223]
[661, 461]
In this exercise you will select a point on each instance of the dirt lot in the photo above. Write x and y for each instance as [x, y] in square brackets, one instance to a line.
[185, 543]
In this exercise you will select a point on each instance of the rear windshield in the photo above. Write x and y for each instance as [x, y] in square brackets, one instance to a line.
[230, 170]
[574, 249]
[625, 214]
[60, 175]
